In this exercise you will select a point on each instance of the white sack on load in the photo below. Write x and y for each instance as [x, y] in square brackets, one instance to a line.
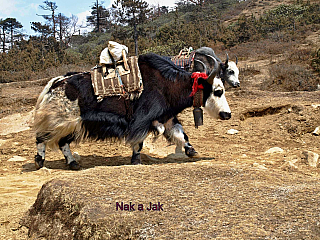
[105, 57]
[115, 49]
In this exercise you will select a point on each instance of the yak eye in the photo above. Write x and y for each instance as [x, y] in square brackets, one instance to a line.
[231, 72]
[218, 93]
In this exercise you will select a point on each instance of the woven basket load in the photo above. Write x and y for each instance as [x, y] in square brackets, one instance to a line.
[108, 83]
[184, 59]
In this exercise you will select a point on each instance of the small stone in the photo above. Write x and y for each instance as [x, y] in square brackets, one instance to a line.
[316, 132]
[2, 142]
[45, 170]
[315, 106]
[259, 166]
[17, 159]
[289, 166]
[232, 131]
[293, 159]
[274, 150]
[311, 158]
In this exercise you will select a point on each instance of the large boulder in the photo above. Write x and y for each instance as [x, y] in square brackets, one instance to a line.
[199, 200]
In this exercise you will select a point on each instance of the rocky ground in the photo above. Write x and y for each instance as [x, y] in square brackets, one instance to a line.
[263, 159]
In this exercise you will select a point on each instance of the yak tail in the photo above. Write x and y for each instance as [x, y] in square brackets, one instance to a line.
[43, 95]
[51, 130]
[53, 120]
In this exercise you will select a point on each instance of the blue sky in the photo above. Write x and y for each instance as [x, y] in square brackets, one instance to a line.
[25, 11]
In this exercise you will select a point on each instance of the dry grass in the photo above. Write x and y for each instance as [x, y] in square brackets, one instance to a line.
[293, 64]
[265, 49]
[290, 77]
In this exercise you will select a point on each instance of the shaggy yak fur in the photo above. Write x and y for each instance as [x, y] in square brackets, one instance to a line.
[68, 111]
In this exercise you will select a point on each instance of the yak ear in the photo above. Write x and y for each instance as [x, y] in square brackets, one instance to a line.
[214, 72]
[223, 66]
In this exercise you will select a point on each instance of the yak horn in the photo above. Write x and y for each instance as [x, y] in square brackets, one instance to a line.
[204, 66]
[236, 60]
[207, 55]
[214, 72]
[226, 63]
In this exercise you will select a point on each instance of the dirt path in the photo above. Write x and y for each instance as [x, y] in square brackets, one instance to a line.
[263, 120]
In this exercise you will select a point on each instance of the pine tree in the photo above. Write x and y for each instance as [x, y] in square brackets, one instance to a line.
[131, 13]
[99, 17]
[9, 27]
[52, 7]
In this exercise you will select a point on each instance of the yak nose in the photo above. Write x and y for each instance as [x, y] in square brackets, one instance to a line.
[225, 115]
[236, 85]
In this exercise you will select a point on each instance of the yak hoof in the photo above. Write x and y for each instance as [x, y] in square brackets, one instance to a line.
[39, 162]
[136, 159]
[74, 165]
[191, 152]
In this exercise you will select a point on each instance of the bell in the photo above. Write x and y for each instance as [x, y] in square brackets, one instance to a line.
[198, 117]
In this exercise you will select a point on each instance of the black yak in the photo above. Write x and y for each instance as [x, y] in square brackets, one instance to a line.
[68, 111]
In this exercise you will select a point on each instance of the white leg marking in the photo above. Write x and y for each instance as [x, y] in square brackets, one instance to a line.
[177, 134]
[41, 148]
[160, 129]
[159, 126]
[136, 148]
[67, 153]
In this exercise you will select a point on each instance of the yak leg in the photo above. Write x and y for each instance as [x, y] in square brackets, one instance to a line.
[41, 151]
[188, 148]
[136, 158]
[175, 133]
[64, 145]
[159, 127]
[73, 164]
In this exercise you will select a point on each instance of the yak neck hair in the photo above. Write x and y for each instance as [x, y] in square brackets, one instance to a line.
[166, 67]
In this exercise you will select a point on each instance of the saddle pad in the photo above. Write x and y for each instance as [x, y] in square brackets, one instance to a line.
[110, 85]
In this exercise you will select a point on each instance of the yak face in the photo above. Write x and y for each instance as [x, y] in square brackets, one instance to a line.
[204, 61]
[230, 74]
[216, 104]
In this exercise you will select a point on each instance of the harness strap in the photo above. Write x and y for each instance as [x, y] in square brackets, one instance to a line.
[197, 89]
[198, 99]
[191, 60]
[120, 81]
